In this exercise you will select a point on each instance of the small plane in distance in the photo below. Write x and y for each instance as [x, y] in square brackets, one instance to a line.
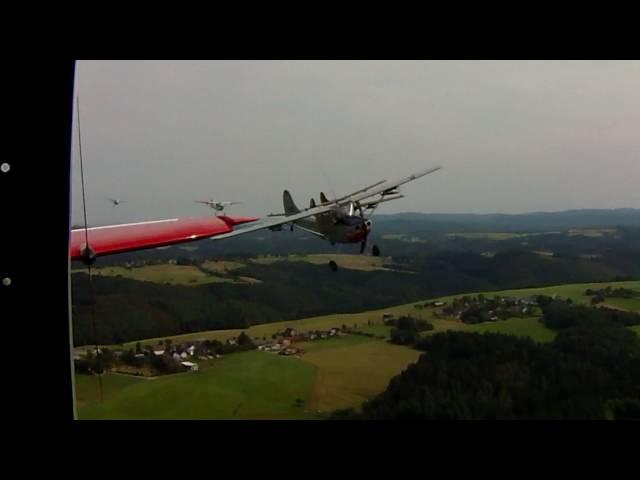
[115, 201]
[339, 220]
[217, 206]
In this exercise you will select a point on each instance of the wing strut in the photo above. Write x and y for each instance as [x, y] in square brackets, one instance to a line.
[88, 256]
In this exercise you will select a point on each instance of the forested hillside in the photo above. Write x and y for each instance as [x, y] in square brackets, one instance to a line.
[590, 371]
[127, 309]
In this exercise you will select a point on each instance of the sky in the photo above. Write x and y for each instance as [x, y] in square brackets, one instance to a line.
[512, 136]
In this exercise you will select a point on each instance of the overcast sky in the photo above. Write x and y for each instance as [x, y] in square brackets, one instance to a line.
[512, 136]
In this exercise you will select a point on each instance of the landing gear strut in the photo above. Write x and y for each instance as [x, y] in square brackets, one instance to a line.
[333, 266]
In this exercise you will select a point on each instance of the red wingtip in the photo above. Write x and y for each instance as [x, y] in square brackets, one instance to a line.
[233, 221]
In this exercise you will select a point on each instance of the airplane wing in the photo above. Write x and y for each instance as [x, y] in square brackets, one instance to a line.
[279, 220]
[381, 188]
[112, 239]
[385, 188]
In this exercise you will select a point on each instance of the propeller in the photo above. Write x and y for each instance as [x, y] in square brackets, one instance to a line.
[365, 226]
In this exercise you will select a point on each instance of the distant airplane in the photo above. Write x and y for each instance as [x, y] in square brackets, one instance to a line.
[115, 201]
[336, 220]
[217, 206]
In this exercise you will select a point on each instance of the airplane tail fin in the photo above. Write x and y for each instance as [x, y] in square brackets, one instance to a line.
[323, 198]
[312, 203]
[289, 207]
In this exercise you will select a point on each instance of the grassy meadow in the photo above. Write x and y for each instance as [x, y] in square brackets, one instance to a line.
[330, 374]
[247, 385]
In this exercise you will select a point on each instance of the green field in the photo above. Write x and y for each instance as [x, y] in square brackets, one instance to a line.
[172, 274]
[636, 328]
[574, 291]
[88, 387]
[248, 385]
[331, 343]
[522, 327]
[378, 329]
[348, 376]
[587, 232]
[178, 274]
[351, 262]
[324, 322]
[222, 266]
[488, 235]
[332, 373]
[591, 232]
[631, 304]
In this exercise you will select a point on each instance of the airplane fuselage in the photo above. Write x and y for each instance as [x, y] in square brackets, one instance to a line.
[348, 229]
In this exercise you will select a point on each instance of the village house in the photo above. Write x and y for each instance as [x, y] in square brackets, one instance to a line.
[192, 367]
[289, 351]
[258, 342]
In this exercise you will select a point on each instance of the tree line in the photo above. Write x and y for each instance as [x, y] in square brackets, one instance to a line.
[590, 371]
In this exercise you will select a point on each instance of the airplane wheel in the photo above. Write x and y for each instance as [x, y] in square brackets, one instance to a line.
[375, 251]
[333, 266]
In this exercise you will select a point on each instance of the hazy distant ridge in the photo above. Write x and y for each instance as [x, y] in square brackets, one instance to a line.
[535, 220]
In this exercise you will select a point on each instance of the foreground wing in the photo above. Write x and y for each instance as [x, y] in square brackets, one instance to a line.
[111, 239]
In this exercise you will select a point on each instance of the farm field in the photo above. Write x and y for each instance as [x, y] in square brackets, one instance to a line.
[333, 373]
[222, 266]
[631, 304]
[331, 343]
[88, 391]
[178, 274]
[522, 327]
[574, 291]
[167, 273]
[378, 329]
[351, 262]
[348, 376]
[247, 385]
[491, 235]
[591, 232]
